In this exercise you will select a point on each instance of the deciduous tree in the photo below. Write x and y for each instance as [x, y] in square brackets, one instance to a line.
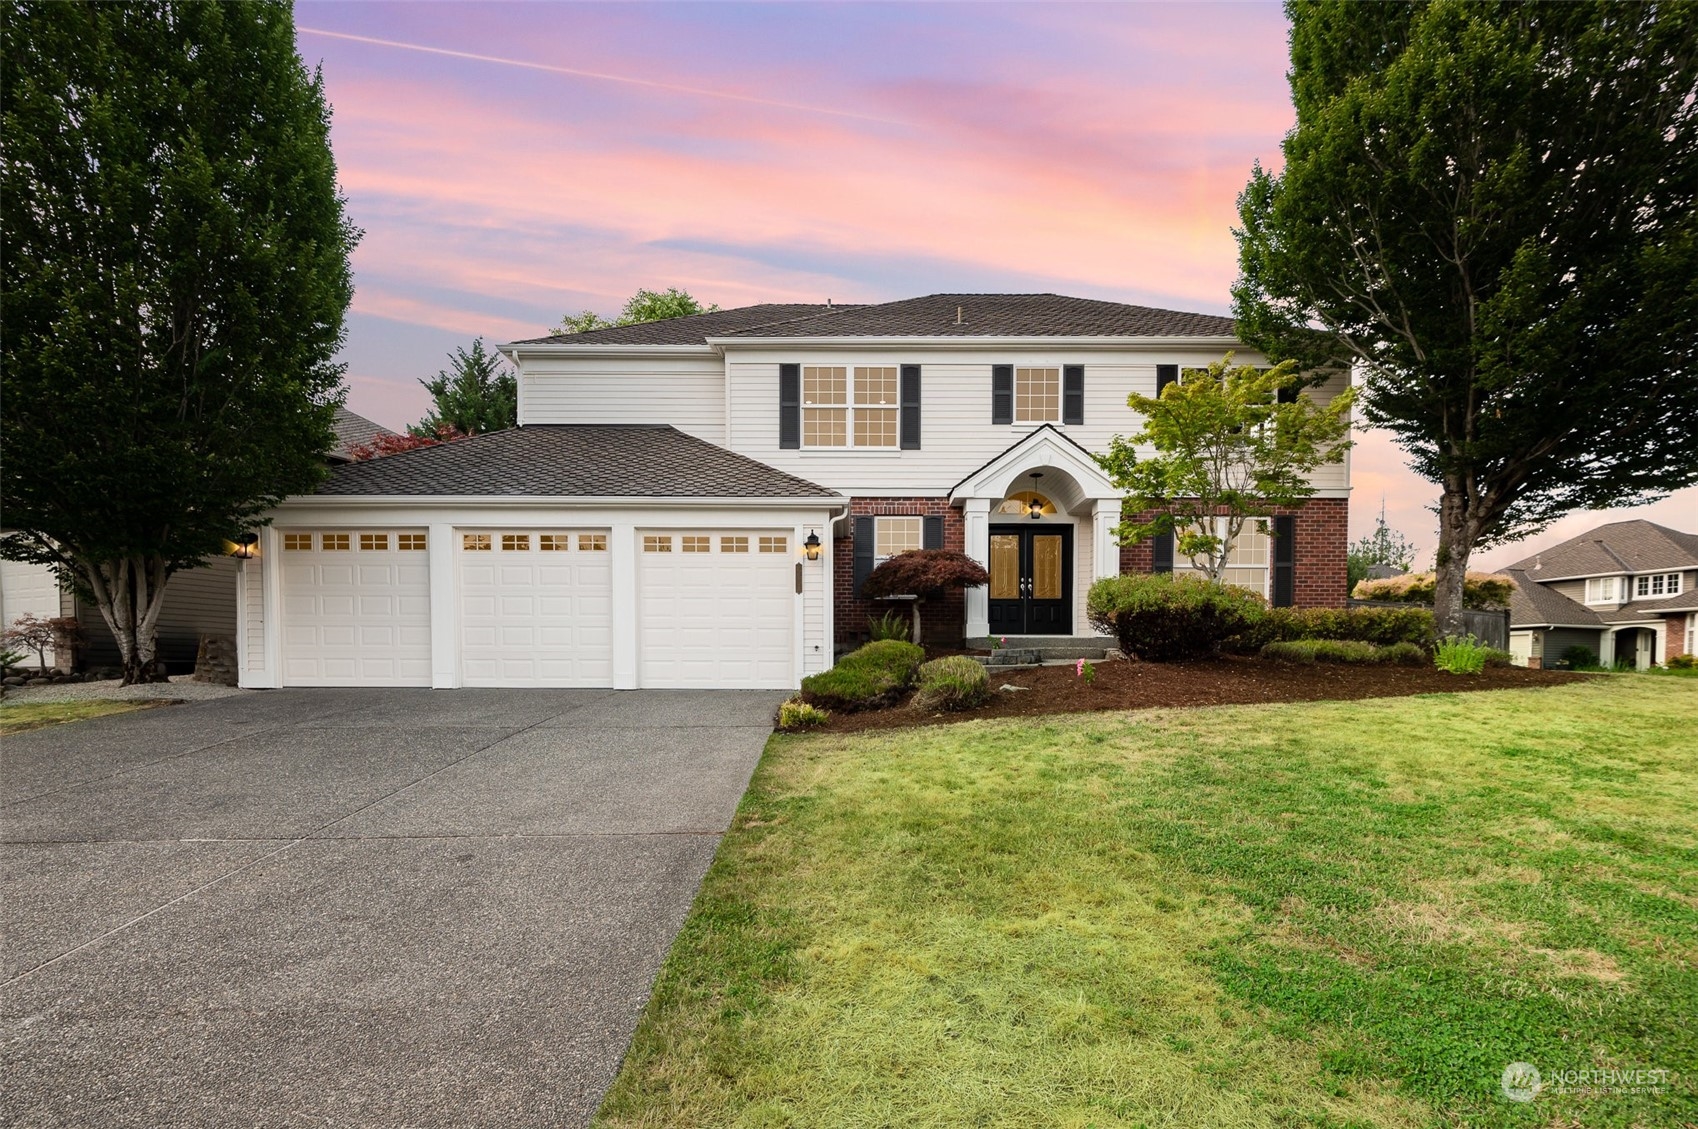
[175, 281]
[923, 574]
[1232, 444]
[644, 305]
[1492, 210]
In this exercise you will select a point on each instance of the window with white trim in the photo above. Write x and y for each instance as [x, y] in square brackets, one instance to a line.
[893, 535]
[1604, 589]
[1037, 395]
[1662, 584]
[844, 407]
[1246, 558]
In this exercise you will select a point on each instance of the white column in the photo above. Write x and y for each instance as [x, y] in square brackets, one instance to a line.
[1105, 515]
[622, 558]
[444, 608]
[976, 515]
[271, 600]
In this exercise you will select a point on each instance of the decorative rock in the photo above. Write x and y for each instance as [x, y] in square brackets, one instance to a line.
[14, 680]
[1006, 686]
[38, 681]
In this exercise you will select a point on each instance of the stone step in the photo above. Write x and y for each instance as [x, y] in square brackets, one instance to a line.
[1031, 650]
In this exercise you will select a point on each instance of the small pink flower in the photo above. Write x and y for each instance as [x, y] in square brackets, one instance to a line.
[1079, 669]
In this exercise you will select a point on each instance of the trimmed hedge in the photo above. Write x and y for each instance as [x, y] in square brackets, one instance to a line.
[1344, 651]
[1162, 618]
[954, 682]
[1382, 626]
[873, 676]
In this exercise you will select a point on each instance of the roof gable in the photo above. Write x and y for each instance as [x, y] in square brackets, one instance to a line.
[1619, 546]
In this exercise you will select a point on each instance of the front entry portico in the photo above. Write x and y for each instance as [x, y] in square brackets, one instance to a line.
[1029, 584]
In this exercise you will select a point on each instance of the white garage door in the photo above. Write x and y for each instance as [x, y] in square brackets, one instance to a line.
[356, 608]
[716, 609]
[536, 608]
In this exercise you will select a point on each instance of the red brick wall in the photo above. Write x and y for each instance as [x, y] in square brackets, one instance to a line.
[1323, 538]
[1674, 636]
[943, 620]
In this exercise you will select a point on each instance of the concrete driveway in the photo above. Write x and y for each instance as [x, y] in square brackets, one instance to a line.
[352, 907]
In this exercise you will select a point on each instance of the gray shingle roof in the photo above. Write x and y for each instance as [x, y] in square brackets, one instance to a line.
[935, 315]
[353, 431]
[693, 330]
[1619, 546]
[572, 460]
[1531, 604]
[1000, 315]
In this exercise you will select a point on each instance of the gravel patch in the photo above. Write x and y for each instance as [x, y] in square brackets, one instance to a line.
[181, 688]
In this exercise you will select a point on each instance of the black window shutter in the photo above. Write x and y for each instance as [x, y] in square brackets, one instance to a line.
[931, 534]
[789, 407]
[1161, 552]
[1165, 375]
[865, 542]
[1073, 394]
[1284, 586]
[1287, 395]
[909, 416]
[1002, 393]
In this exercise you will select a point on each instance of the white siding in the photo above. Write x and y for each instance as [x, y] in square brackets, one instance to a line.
[686, 392]
[956, 430]
[1084, 557]
[252, 617]
[27, 589]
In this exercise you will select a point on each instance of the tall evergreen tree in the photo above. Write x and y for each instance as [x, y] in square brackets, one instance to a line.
[175, 282]
[474, 394]
[1491, 208]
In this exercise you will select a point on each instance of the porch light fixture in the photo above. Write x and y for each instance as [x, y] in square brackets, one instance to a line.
[245, 546]
[812, 546]
[1036, 509]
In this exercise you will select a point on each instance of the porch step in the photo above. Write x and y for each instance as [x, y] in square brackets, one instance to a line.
[1029, 650]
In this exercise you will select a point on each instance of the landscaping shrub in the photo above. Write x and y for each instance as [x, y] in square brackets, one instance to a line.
[873, 676]
[1579, 657]
[890, 625]
[1461, 655]
[796, 714]
[1344, 651]
[1404, 654]
[1683, 662]
[1495, 657]
[1163, 619]
[954, 682]
[1382, 626]
[1479, 589]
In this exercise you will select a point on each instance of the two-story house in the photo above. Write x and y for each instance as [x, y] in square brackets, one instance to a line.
[694, 502]
[1626, 591]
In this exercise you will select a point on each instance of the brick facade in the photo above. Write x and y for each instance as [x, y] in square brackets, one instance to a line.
[943, 620]
[1674, 636]
[1323, 540]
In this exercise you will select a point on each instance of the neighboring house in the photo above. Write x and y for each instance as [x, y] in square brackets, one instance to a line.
[198, 602]
[1627, 591]
[695, 502]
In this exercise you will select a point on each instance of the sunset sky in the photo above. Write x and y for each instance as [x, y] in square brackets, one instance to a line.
[512, 162]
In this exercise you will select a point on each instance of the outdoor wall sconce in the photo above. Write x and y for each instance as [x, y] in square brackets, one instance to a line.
[245, 546]
[812, 546]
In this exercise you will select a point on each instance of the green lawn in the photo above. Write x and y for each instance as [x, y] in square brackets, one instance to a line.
[15, 717]
[1335, 914]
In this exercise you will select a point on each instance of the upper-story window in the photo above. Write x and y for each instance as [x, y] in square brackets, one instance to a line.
[1604, 590]
[1037, 395]
[1662, 584]
[849, 407]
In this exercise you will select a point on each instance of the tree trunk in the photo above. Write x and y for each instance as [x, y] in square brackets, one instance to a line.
[1457, 535]
[130, 593]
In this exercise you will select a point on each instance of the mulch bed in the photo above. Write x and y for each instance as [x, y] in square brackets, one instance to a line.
[1123, 685]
